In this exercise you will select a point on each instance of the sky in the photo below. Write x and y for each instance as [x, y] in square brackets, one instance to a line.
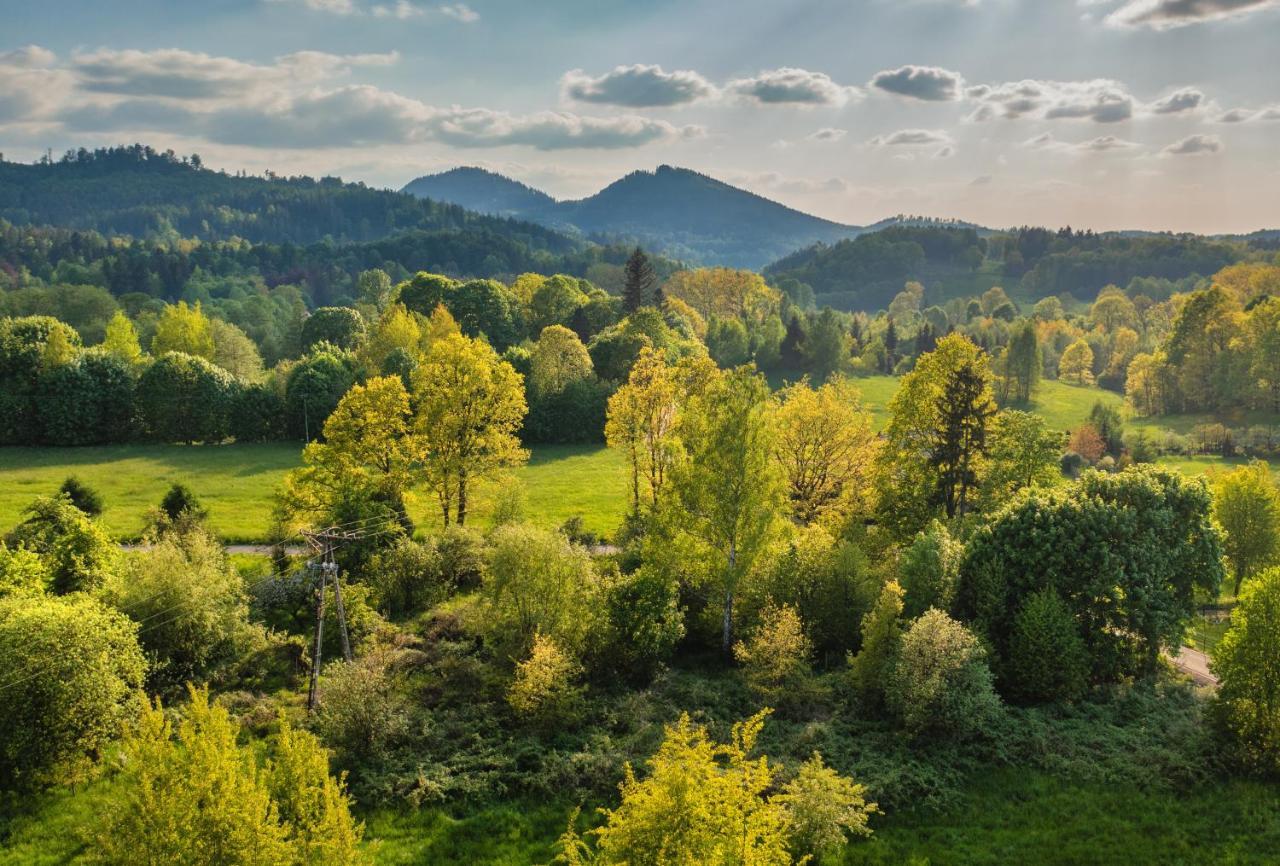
[1107, 114]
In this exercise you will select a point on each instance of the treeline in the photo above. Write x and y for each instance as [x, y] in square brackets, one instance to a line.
[141, 192]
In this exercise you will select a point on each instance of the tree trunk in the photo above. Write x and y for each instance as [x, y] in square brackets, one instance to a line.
[462, 499]
[726, 636]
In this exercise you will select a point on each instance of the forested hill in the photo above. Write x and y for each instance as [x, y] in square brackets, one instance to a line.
[864, 273]
[675, 211]
[144, 193]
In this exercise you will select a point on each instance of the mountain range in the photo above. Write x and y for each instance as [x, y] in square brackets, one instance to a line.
[675, 211]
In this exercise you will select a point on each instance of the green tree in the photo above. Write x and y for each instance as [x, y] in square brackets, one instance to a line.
[470, 403]
[545, 691]
[727, 342]
[1022, 452]
[338, 326]
[314, 387]
[825, 809]
[1075, 367]
[82, 496]
[373, 287]
[1047, 658]
[233, 351]
[726, 482]
[73, 671]
[184, 398]
[827, 347]
[824, 446]
[637, 290]
[641, 422]
[881, 634]
[121, 340]
[928, 570]
[1246, 504]
[558, 360]
[77, 551]
[776, 658]
[1247, 662]
[1023, 362]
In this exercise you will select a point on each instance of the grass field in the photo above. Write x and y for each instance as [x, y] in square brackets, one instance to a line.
[236, 483]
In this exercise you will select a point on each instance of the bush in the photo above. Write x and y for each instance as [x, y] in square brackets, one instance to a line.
[257, 414]
[193, 603]
[76, 550]
[544, 691]
[362, 708]
[76, 671]
[182, 398]
[643, 624]
[940, 682]
[82, 496]
[870, 669]
[22, 572]
[1047, 658]
[825, 808]
[407, 577]
[180, 506]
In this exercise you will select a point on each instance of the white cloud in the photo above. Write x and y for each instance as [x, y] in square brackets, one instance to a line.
[401, 10]
[1194, 145]
[637, 86]
[1182, 100]
[1103, 144]
[827, 135]
[911, 138]
[791, 86]
[31, 85]
[552, 130]
[1166, 14]
[460, 12]
[1100, 100]
[926, 83]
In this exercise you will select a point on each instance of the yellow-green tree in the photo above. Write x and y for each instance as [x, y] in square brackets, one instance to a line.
[545, 689]
[396, 329]
[470, 403]
[368, 455]
[775, 660]
[641, 422]
[728, 489]
[121, 340]
[1076, 365]
[1246, 505]
[558, 359]
[724, 292]
[824, 444]
[181, 328]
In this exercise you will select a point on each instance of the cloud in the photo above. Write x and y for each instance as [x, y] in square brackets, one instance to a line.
[926, 83]
[401, 10]
[911, 138]
[1194, 145]
[944, 152]
[1182, 100]
[31, 86]
[1103, 144]
[460, 12]
[981, 180]
[1100, 100]
[637, 86]
[827, 134]
[772, 181]
[553, 130]
[789, 85]
[1166, 14]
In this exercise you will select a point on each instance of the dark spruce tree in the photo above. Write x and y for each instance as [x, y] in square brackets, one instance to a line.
[638, 288]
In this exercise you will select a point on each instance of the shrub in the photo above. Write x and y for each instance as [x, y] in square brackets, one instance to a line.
[76, 669]
[1047, 658]
[82, 496]
[192, 601]
[825, 808]
[643, 624]
[869, 670]
[76, 550]
[775, 661]
[407, 577]
[940, 682]
[543, 691]
[22, 572]
[362, 708]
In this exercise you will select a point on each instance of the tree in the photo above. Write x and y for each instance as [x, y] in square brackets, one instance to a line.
[1106, 420]
[1086, 442]
[544, 690]
[825, 808]
[233, 351]
[1113, 310]
[558, 360]
[373, 287]
[1076, 365]
[726, 483]
[775, 660]
[724, 292]
[184, 398]
[1024, 362]
[194, 796]
[638, 287]
[1149, 386]
[77, 669]
[1204, 349]
[366, 460]
[641, 421]
[314, 387]
[1047, 657]
[1263, 328]
[488, 308]
[1246, 504]
[179, 505]
[554, 301]
[82, 496]
[77, 551]
[183, 329]
[1023, 452]
[338, 326]
[470, 404]
[121, 340]
[928, 570]
[827, 348]
[397, 330]
[881, 635]
[538, 583]
[1247, 663]
[727, 342]
[824, 445]
[693, 805]
[932, 449]
[940, 682]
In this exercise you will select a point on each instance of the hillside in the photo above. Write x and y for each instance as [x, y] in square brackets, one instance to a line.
[675, 211]
[144, 193]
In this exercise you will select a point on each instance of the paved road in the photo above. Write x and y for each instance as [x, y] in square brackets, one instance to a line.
[1195, 664]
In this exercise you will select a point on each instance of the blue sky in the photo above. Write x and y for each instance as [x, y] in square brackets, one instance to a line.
[1158, 114]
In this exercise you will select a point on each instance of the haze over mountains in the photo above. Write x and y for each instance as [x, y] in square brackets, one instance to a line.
[675, 211]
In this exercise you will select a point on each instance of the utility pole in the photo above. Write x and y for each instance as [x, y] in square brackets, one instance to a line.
[324, 542]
